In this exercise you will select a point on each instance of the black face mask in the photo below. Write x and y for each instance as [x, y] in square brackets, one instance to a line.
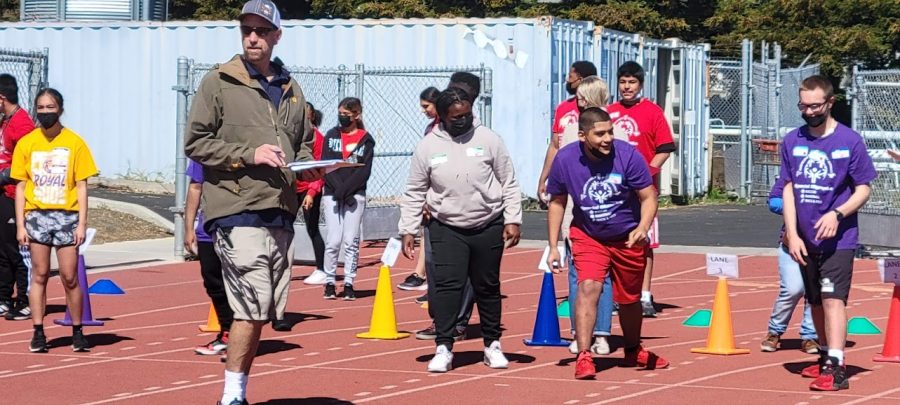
[47, 120]
[815, 120]
[345, 121]
[571, 89]
[459, 126]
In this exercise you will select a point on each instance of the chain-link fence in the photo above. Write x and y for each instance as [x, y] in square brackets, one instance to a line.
[876, 116]
[725, 102]
[30, 70]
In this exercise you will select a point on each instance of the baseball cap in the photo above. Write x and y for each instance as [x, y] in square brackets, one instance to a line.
[263, 8]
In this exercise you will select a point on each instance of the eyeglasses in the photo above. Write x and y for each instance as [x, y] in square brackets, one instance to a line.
[260, 31]
[814, 106]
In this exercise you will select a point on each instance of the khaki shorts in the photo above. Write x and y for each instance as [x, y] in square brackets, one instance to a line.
[256, 267]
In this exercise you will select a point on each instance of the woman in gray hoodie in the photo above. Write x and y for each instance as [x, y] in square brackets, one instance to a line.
[464, 176]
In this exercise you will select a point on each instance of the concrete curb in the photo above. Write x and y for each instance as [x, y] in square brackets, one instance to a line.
[136, 186]
[143, 213]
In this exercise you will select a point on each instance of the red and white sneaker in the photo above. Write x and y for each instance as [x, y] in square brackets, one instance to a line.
[640, 357]
[584, 366]
[214, 348]
[831, 378]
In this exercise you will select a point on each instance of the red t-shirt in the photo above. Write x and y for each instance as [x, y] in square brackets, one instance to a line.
[349, 141]
[645, 125]
[566, 114]
[11, 131]
[314, 187]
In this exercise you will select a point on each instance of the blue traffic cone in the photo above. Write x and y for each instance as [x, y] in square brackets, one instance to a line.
[87, 318]
[546, 325]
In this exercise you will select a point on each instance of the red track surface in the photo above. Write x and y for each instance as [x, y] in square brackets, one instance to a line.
[143, 355]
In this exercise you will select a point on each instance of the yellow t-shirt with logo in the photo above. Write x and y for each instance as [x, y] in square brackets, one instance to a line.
[50, 169]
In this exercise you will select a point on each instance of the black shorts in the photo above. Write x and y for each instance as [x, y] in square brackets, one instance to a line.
[828, 275]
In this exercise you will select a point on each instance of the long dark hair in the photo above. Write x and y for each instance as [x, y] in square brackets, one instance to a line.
[52, 93]
[355, 105]
[430, 95]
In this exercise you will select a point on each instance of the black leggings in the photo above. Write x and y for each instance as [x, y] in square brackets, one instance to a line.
[211, 271]
[311, 218]
[459, 254]
[12, 268]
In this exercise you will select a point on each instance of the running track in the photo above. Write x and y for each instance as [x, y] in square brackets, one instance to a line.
[143, 355]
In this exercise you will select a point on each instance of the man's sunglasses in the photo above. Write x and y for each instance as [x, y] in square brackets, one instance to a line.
[260, 31]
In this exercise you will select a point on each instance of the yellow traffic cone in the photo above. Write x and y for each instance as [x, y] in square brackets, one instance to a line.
[212, 321]
[384, 323]
[720, 339]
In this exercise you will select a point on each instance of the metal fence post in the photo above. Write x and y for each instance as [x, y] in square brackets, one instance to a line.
[360, 80]
[746, 71]
[35, 79]
[854, 100]
[181, 111]
[778, 84]
[487, 94]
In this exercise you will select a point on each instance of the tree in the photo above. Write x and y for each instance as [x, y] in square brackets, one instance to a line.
[9, 10]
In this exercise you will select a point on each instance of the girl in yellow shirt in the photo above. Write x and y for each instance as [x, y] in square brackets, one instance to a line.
[52, 165]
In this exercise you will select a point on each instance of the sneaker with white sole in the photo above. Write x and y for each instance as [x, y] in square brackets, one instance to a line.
[413, 283]
[20, 313]
[5, 306]
[573, 347]
[442, 361]
[493, 356]
[600, 346]
[317, 277]
[214, 348]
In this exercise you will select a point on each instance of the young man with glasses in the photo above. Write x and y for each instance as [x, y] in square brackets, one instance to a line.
[827, 171]
[247, 121]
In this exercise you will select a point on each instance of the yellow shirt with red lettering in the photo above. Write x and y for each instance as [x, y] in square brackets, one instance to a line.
[50, 169]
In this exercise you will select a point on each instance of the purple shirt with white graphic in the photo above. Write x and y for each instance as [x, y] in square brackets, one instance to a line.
[824, 172]
[195, 173]
[604, 192]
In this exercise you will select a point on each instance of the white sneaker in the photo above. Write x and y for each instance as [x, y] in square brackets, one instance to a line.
[600, 346]
[317, 277]
[493, 356]
[573, 347]
[442, 361]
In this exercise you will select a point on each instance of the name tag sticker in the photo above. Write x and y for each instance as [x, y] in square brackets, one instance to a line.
[614, 178]
[438, 159]
[475, 152]
[801, 150]
[840, 154]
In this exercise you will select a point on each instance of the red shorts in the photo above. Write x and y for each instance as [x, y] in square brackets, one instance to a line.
[594, 259]
[653, 234]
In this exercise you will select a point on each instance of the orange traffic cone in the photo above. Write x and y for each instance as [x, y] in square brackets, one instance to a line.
[720, 339]
[891, 351]
[212, 321]
[384, 323]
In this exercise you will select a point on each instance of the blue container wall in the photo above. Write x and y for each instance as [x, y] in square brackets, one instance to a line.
[117, 77]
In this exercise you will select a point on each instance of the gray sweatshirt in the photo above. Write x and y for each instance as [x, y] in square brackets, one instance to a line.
[464, 182]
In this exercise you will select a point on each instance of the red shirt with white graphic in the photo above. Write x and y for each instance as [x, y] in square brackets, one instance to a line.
[645, 125]
[11, 131]
[350, 140]
[566, 115]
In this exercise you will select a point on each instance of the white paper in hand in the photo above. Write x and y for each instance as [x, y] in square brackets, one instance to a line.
[88, 238]
[391, 252]
[890, 270]
[562, 258]
[718, 265]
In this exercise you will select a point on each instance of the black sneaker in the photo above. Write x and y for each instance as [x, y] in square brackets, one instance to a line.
[80, 343]
[429, 333]
[330, 293]
[459, 334]
[413, 283]
[38, 343]
[423, 299]
[648, 308]
[20, 313]
[282, 325]
[5, 307]
[349, 294]
[615, 311]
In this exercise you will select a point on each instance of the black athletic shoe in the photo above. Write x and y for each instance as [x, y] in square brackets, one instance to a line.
[649, 310]
[38, 343]
[349, 294]
[413, 283]
[423, 299]
[330, 293]
[20, 313]
[282, 325]
[80, 343]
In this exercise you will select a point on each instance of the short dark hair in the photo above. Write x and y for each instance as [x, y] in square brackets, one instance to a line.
[631, 69]
[818, 82]
[9, 89]
[468, 82]
[584, 68]
[449, 97]
[52, 93]
[430, 94]
[591, 116]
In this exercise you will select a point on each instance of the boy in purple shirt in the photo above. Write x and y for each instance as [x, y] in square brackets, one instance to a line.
[827, 172]
[615, 203]
[198, 242]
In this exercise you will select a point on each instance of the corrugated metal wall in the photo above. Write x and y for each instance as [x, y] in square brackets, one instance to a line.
[117, 78]
[92, 10]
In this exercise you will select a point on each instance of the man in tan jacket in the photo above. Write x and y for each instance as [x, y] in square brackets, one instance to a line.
[247, 121]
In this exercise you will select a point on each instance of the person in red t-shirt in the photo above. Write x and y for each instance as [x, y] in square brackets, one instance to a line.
[566, 116]
[15, 123]
[647, 129]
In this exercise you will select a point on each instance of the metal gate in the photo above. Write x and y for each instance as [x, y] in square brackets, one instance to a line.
[30, 70]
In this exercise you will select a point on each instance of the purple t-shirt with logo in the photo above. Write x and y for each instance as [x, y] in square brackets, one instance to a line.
[604, 192]
[195, 173]
[824, 172]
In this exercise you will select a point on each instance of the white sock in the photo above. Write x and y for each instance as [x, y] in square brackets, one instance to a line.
[838, 354]
[235, 387]
[646, 296]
